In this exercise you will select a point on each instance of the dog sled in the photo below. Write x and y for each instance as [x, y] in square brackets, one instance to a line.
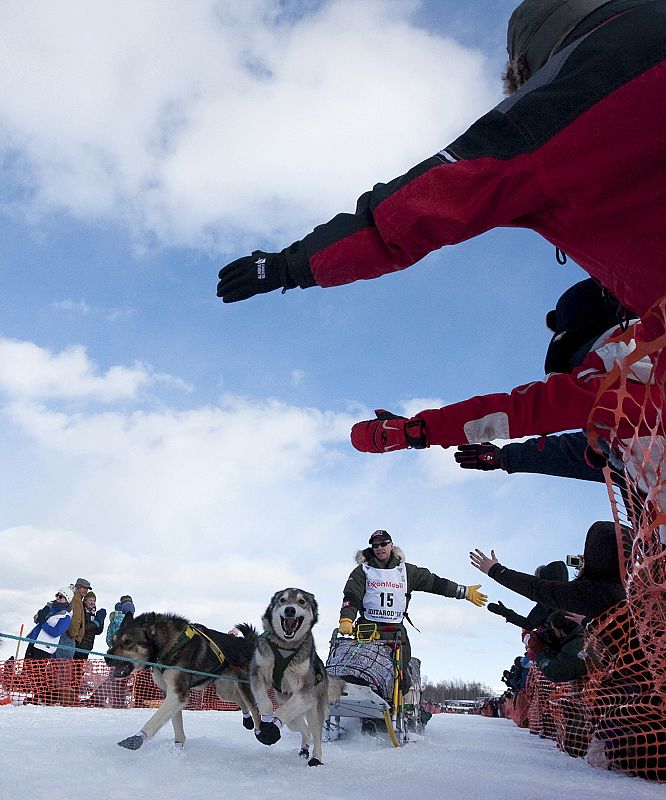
[374, 672]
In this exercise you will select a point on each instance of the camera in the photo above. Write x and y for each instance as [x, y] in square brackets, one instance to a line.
[575, 561]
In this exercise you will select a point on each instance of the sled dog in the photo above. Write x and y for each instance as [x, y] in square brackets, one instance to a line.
[175, 642]
[285, 660]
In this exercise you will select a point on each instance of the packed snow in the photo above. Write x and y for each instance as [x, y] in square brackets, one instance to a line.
[72, 752]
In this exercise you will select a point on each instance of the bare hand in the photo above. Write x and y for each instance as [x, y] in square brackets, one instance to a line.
[481, 561]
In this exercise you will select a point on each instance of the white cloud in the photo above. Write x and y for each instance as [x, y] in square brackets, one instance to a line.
[84, 308]
[209, 510]
[192, 121]
[30, 371]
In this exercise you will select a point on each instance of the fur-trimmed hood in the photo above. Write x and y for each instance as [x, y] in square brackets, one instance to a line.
[365, 556]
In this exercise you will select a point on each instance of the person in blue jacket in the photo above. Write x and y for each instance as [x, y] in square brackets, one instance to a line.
[123, 607]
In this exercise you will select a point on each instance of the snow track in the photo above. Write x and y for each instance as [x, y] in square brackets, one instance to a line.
[73, 752]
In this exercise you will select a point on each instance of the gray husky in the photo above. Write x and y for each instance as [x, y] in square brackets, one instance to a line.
[285, 660]
[173, 641]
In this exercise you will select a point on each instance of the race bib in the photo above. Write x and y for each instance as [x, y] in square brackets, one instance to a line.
[385, 597]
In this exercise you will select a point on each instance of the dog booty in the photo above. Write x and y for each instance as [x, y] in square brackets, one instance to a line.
[133, 742]
[248, 722]
[269, 733]
[315, 762]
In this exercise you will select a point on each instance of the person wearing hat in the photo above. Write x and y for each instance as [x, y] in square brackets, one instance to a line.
[123, 607]
[560, 402]
[575, 153]
[94, 624]
[583, 317]
[78, 628]
[597, 587]
[378, 591]
[51, 638]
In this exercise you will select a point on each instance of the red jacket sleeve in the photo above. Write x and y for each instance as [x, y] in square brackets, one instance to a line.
[561, 402]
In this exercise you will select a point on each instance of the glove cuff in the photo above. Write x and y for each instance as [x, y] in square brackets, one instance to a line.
[461, 591]
[286, 280]
[416, 434]
[297, 267]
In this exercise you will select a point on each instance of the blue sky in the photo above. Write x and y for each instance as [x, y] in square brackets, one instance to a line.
[195, 454]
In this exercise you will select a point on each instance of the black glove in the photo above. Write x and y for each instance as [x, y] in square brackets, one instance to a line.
[498, 608]
[255, 274]
[479, 456]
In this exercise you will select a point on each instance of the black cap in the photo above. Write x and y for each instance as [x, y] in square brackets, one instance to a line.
[582, 314]
[381, 535]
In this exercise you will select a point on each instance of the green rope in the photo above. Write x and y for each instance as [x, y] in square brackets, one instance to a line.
[133, 660]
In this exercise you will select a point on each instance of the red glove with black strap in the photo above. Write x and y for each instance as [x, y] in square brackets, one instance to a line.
[389, 432]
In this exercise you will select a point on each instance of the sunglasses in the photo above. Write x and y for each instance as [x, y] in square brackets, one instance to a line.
[375, 545]
[58, 596]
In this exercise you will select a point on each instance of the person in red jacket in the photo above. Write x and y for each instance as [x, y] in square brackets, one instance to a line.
[575, 154]
[562, 401]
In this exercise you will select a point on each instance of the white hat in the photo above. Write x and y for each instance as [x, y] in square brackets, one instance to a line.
[66, 592]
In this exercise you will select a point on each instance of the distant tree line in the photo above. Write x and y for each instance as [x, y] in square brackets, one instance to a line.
[455, 689]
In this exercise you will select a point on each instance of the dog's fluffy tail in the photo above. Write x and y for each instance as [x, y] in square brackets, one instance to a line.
[249, 632]
[335, 688]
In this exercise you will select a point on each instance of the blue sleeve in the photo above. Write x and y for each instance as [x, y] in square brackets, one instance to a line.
[61, 626]
[114, 624]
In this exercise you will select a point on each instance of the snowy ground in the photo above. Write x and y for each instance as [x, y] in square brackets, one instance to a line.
[73, 753]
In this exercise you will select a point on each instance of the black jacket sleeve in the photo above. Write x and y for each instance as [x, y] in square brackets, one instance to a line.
[580, 596]
[515, 619]
[562, 456]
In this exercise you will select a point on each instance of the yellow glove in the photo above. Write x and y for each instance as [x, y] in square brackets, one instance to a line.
[345, 627]
[475, 596]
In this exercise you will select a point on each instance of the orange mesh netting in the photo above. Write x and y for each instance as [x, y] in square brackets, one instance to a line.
[80, 682]
[616, 715]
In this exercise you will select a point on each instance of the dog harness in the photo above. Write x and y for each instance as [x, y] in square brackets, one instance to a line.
[280, 663]
[186, 636]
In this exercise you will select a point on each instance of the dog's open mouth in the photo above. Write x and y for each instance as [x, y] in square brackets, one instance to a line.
[290, 625]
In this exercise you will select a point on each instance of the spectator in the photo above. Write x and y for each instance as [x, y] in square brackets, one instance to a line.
[597, 586]
[557, 648]
[584, 316]
[561, 402]
[123, 607]
[51, 637]
[516, 677]
[40, 617]
[78, 628]
[379, 589]
[94, 624]
[578, 73]
[554, 571]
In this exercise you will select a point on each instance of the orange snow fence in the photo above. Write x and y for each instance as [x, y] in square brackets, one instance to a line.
[88, 683]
